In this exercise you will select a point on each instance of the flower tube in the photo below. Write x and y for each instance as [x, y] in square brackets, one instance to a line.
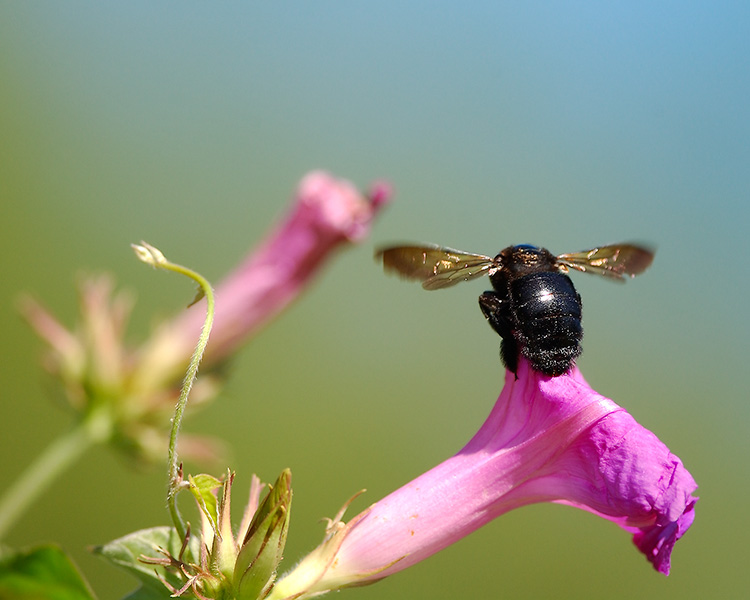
[327, 213]
[547, 439]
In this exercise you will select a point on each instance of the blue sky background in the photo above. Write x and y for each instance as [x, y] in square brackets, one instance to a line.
[567, 124]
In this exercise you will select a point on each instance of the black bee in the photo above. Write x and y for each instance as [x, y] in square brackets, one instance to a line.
[534, 306]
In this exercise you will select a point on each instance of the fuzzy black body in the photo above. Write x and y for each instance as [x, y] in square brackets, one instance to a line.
[535, 309]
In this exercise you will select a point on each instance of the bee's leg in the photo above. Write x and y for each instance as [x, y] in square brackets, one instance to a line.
[497, 312]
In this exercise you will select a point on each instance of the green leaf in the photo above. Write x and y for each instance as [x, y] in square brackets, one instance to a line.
[199, 295]
[126, 551]
[41, 573]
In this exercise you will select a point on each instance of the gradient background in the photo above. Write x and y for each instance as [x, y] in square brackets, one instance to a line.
[565, 124]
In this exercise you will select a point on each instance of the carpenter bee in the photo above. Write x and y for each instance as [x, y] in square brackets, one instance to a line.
[533, 307]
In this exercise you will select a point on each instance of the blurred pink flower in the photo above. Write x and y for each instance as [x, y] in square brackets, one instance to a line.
[327, 214]
[548, 439]
[137, 387]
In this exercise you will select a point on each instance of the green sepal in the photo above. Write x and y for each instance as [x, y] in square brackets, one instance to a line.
[126, 552]
[202, 487]
[262, 549]
[41, 572]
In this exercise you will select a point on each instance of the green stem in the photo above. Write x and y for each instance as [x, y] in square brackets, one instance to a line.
[154, 257]
[175, 468]
[63, 452]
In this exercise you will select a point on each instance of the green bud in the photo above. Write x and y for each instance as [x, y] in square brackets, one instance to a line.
[149, 254]
[262, 549]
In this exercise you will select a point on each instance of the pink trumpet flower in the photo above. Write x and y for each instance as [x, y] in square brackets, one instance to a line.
[327, 214]
[135, 388]
[550, 439]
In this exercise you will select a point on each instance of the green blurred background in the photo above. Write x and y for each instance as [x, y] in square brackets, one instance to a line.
[566, 124]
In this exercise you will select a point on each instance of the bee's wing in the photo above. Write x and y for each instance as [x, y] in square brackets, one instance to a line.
[436, 267]
[617, 261]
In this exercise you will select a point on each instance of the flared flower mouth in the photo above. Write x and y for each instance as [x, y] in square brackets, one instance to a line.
[547, 439]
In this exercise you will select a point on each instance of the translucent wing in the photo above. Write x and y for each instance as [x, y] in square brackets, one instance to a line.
[434, 266]
[617, 262]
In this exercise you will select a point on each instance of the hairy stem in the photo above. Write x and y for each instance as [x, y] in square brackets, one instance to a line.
[154, 257]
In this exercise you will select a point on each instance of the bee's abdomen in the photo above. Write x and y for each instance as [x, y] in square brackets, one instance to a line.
[547, 320]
